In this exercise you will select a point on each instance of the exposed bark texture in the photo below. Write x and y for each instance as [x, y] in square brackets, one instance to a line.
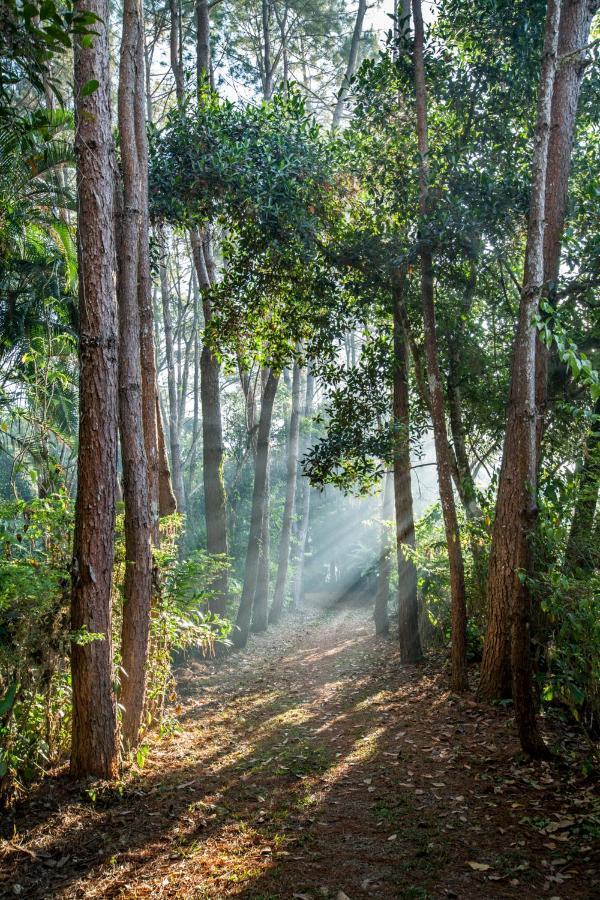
[516, 504]
[240, 635]
[408, 607]
[268, 68]
[175, 50]
[380, 611]
[174, 433]
[304, 505]
[290, 496]
[574, 32]
[438, 416]
[351, 65]
[138, 553]
[581, 545]
[203, 59]
[93, 735]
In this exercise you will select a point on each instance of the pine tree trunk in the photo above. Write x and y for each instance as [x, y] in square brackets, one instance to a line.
[174, 438]
[212, 440]
[240, 635]
[304, 499]
[138, 553]
[574, 31]
[408, 606]
[438, 415]
[516, 504]
[380, 612]
[93, 734]
[351, 66]
[290, 496]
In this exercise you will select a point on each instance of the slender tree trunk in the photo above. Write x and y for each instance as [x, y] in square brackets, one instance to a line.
[240, 636]
[304, 498]
[380, 612]
[174, 433]
[138, 552]
[408, 607]
[580, 546]
[516, 504]
[267, 63]
[351, 65]
[167, 502]
[438, 416]
[93, 735]
[288, 511]
[175, 50]
[574, 32]
[260, 605]
[212, 437]
[203, 59]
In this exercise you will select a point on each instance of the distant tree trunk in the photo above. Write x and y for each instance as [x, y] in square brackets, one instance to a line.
[240, 635]
[574, 32]
[268, 66]
[408, 606]
[138, 552]
[516, 504]
[175, 50]
[580, 546]
[304, 498]
[172, 387]
[203, 59]
[260, 605]
[93, 734]
[167, 502]
[380, 612]
[351, 65]
[212, 438]
[290, 496]
[438, 416]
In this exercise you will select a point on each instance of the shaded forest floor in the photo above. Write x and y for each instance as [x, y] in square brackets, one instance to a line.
[314, 765]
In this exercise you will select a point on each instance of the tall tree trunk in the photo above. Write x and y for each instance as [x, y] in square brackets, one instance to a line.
[267, 63]
[573, 36]
[290, 496]
[93, 734]
[174, 434]
[138, 552]
[260, 605]
[351, 65]
[240, 636]
[408, 607]
[175, 50]
[212, 438]
[380, 612]
[516, 504]
[304, 497]
[203, 58]
[438, 416]
[167, 502]
[580, 546]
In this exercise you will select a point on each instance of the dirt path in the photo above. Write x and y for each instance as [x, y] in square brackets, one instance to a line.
[314, 765]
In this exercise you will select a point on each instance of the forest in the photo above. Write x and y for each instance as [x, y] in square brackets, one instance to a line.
[300, 449]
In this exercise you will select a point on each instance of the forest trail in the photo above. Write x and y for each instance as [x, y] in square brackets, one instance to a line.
[314, 765]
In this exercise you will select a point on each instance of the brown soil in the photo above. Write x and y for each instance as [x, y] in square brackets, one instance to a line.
[315, 765]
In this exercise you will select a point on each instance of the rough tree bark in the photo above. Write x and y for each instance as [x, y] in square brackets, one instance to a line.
[240, 635]
[290, 496]
[408, 607]
[516, 503]
[351, 65]
[380, 612]
[574, 31]
[138, 551]
[438, 415]
[93, 734]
